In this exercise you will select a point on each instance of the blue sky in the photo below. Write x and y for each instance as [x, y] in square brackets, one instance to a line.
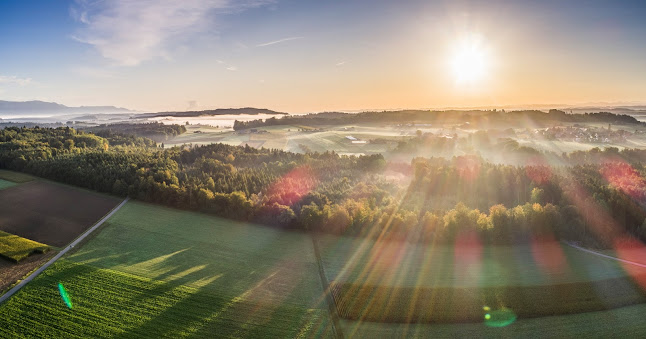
[303, 56]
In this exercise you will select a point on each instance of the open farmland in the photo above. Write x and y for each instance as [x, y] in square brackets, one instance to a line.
[16, 177]
[17, 248]
[11, 272]
[38, 214]
[626, 322]
[50, 213]
[153, 272]
[289, 138]
[6, 184]
[402, 282]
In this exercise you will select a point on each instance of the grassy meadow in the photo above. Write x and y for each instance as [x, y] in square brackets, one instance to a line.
[16, 177]
[153, 271]
[624, 322]
[402, 264]
[6, 184]
[289, 138]
[403, 282]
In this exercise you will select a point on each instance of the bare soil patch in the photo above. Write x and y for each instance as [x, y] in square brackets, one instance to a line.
[10, 272]
[51, 213]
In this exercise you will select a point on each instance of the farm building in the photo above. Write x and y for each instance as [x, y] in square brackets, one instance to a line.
[354, 140]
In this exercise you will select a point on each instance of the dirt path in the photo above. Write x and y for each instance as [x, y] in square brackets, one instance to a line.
[61, 253]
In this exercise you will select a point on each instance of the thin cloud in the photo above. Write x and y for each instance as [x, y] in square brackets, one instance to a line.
[14, 80]
[280, 41]
[132, 31]
[92, 72]
[226, 65]
[340, 63]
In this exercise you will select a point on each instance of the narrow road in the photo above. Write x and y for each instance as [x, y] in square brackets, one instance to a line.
[61, 253]
[604, 255]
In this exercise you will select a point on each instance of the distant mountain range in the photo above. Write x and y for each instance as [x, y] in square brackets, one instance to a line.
[42, 107]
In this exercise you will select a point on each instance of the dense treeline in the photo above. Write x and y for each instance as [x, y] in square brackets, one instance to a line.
[476, 118]
[156, 131]
[593, 196]
[213, 112]
[238, 182]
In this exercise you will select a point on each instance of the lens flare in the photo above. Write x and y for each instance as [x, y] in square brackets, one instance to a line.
[500, 318]
[291, 188]
[65, 295]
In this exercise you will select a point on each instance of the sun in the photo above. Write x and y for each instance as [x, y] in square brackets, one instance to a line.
[469, 61]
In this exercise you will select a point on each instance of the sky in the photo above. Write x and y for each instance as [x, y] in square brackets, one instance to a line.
[321, 55]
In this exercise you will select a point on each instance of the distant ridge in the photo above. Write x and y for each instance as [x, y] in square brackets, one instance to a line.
[219, 111]
[42, 107]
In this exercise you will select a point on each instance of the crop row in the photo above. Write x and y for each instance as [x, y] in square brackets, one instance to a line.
[108, 303]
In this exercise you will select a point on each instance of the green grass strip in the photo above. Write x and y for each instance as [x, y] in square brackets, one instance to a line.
[16, 177]
[17, 248]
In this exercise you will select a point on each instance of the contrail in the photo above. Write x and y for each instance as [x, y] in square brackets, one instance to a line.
[279, 41]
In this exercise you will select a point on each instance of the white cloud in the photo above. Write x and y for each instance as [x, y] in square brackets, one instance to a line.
[132, 31]
[14, 80]
[340, 63]
[279, 41]
[232, 68]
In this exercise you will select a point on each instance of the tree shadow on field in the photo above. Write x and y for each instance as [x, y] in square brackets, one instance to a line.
[213, 311]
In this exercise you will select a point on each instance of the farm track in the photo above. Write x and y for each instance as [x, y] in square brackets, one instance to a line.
[61, 253]
[329, 299]
[605, 255]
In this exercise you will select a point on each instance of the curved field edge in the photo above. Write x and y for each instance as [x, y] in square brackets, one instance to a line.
[6, 184]
[402, 264]
[107, 303]
[617, 323]
[459, 305]
[400, 282]
[15, 177]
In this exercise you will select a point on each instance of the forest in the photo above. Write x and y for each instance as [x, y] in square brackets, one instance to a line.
[476, 118]
[594, 197]
[156, 131]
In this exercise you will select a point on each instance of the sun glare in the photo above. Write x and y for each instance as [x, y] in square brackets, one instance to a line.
[469, 61]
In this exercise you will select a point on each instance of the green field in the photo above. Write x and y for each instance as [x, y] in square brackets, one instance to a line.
[333, 138]
[289, 138]
[6, 184]
[17, 248]
[405, 264]
[15, 176]
[626, 322]
[404, 282]
[153, 271]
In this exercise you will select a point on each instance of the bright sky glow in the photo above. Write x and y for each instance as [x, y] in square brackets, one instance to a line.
[470, 62]
[305, 55]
